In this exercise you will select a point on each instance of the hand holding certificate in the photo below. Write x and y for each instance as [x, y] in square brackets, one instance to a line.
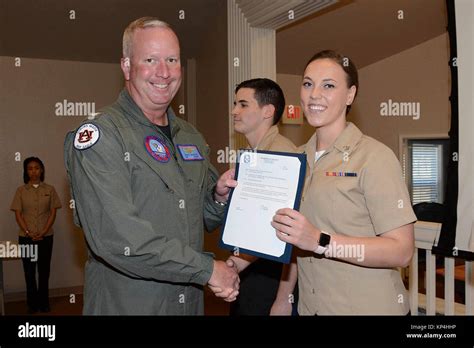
[267, 181]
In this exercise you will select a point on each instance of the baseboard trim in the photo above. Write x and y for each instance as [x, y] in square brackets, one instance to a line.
[58, 292]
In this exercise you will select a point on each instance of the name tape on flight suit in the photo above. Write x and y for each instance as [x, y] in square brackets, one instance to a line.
[190, 153]
[86, 136]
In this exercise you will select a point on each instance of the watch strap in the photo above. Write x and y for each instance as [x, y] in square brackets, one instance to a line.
[324, 238]
[320, 250]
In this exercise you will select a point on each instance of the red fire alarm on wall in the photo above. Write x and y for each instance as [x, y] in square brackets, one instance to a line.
[292, 115]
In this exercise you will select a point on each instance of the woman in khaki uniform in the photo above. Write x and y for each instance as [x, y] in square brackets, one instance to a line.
[356, 217]
[35, 205]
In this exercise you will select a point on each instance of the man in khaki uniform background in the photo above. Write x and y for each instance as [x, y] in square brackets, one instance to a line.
[264, 289]
[144, 188]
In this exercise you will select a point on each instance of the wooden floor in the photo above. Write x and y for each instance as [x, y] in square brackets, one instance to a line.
[62, 306]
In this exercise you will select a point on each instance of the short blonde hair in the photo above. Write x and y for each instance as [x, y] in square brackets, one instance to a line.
[140, 23]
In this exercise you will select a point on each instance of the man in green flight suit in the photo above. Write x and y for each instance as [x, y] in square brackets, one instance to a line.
[144, 188]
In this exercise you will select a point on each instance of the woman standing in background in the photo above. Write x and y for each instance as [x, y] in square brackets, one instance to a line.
[35, 205]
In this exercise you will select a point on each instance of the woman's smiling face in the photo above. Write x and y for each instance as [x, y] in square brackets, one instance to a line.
[324, 93]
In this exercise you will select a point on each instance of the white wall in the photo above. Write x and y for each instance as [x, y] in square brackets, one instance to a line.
[28, 95]
[419, 74]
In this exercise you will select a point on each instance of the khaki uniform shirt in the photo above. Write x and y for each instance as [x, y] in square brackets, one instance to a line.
[274, 141]
[35, 205]
[355, 188]
[143, 215]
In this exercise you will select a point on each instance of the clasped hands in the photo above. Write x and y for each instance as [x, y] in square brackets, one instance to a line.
[35, 236]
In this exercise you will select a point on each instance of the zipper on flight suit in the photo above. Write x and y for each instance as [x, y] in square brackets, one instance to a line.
[170, 143]
[172, 148]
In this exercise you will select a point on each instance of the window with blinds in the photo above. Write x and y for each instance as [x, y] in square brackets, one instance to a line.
[427, 162]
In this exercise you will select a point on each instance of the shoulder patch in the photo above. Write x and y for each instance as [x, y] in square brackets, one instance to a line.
[86, 136]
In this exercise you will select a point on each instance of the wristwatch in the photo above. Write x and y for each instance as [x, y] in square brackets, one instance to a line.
[324, 240]
[222, 204]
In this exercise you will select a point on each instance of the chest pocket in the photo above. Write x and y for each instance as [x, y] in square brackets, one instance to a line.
[347, 193]
[170, 173]
[349, 201]
[44, 202]
[194, 171]
[174, 175]
[318, 200]
[153, 172]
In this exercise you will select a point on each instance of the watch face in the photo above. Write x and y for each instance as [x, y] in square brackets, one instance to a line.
[324, 239]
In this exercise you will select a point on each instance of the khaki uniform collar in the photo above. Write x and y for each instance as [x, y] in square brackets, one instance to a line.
[129, 105]
[268, 138]
[346, 142]
[30, 186]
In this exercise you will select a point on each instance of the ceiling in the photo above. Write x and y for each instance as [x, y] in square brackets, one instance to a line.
[364, 30]
[43, 28]
[275, 14]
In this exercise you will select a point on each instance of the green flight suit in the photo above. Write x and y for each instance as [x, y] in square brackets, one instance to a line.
[143, 218]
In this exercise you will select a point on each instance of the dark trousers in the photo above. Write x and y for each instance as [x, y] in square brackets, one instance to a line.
[37, 295]
[259, 284]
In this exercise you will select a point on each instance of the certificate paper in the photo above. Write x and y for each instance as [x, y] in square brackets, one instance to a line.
[267, 181]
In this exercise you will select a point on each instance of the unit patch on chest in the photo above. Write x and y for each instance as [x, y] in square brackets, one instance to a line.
[157, 149]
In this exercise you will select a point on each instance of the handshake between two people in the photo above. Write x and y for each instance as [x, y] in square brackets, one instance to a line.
[224, 281]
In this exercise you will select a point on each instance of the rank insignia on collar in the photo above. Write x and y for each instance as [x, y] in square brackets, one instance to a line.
[157, 149]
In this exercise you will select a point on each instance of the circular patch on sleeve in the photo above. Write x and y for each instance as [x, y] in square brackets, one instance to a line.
[86, 136]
